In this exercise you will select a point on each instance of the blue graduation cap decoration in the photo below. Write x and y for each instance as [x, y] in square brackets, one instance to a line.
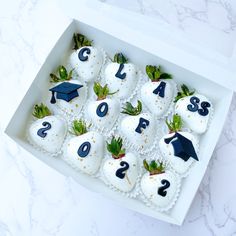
[183, 147]
[65, 91]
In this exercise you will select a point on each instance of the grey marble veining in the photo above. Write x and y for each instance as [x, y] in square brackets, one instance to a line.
[35, 200]
[195, 17]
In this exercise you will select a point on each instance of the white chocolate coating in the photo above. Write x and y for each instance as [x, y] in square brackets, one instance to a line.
[87, 70]
[167, 151]
[151, 183]
[147, 136]
[193, 120]
[124, 86]
[55, 136]
[156, 104]
[110, 118]
[128, 182]
[91, 163]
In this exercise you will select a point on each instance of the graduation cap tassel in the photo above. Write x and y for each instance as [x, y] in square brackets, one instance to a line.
[53, 99]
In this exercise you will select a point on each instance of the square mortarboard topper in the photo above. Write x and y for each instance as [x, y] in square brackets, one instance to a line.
[65, 91]
[183, 147]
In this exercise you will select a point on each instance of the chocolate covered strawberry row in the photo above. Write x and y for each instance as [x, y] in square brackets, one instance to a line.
[121, 77]
[86, 149]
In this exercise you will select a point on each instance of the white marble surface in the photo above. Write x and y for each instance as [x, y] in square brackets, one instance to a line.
[35, 200]
[211, 22]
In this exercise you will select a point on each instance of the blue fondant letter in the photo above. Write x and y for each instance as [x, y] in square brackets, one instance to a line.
[84, 149]
[143, 123]
[119, 74]
[160, 90]
[81, 55]
[204, 109]
[194, 104]
[102, 109]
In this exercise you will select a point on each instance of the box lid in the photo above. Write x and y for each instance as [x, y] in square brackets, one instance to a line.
[157, 37]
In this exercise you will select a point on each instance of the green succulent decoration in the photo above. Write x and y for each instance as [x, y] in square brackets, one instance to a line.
[120, 58]
[154, 167]
[40, 111]
[183, 93]
[79, 127]
[175, 124]
[63, 75]
[115, 148]
[101, 91]
[155, 73]
[129, 109]
[80, 41]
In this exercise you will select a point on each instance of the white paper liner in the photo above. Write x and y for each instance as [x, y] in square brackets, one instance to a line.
[59, 152]
[105, 61]
[150, 204]
[73, 162]
[102, 72]
[136, 90]
[131, 194]
[171, 106]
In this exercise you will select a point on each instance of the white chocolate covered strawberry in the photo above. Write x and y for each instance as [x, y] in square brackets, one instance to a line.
[138, 128]
[195, 109]
[48, 131]
[104, 111]
[122, 76]
[86, 59]
[85, 149]
[179, 147]
[121, 170]
[158, 93]
[70, 95]
[160, 186]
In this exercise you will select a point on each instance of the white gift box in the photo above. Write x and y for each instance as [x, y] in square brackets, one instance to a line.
[208, 72]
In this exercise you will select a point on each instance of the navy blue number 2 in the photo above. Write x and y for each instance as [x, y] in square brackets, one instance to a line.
[162, 190]
[42, 132]
[120, 172]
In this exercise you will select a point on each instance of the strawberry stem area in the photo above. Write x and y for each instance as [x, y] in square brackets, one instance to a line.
[101, 91]
[154, 167]
[115, 148]
[40, 111]
[155, 73]
[129, 109]
[120, 58]
[184, 92]
[175, 124]
[81, 41]
[79, 127]
[63, 75]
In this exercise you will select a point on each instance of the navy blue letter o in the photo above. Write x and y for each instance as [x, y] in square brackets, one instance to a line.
[84, 149]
